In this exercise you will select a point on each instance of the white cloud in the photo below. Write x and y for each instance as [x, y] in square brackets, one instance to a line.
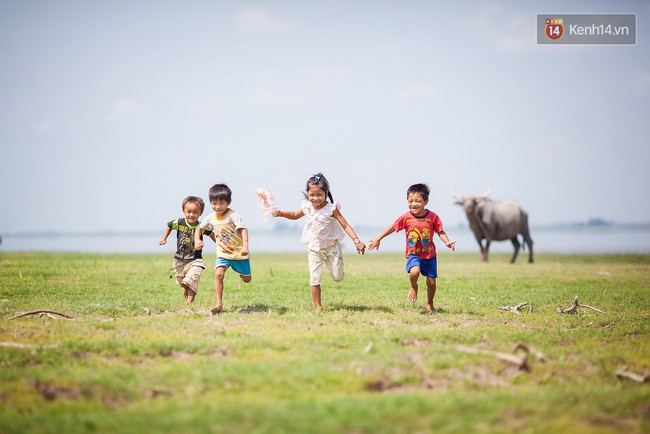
[257, 20]
[127, 108]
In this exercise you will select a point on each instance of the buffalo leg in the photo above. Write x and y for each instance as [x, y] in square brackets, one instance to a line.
[485, 252]
[516, 245]
[483, 249]
[529, 241]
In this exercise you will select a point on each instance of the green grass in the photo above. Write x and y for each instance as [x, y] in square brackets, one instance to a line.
[135, 358]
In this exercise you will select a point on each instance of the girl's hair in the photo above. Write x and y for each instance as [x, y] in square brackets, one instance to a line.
[220, 192]
[193, 199]
[422, 189]
[320, 181]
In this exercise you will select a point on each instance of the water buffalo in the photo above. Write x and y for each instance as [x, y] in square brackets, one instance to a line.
[496, 221]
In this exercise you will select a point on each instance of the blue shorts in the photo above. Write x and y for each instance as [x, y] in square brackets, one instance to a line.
[241, 266]
[428, 267]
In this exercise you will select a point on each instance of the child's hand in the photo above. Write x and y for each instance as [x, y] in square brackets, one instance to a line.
[162, 242]
[452, 245]
[361, 248]
[374, 244]
[244, 251]
[198, 245]
[276, 212]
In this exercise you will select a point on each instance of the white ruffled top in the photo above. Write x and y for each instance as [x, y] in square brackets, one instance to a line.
[321, 229]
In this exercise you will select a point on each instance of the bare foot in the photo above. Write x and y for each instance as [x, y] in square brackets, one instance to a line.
[318, 309]
[217, 309]
[430, 308]
[413, 295]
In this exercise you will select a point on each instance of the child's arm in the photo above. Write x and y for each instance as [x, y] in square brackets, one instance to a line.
[243, 233]
[445, 239]
[213, 236]
[374, 244]
[361, 248]
[163, 240]
[291, 215]
[198, 242]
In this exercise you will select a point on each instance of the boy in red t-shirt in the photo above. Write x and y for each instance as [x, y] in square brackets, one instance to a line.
[420, 224]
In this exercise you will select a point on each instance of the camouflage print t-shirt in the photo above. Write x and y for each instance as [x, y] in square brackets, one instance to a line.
[185, 239]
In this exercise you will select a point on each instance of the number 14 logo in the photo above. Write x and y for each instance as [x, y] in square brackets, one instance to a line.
[554, 28]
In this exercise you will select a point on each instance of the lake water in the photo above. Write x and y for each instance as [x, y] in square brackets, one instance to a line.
[609, 239]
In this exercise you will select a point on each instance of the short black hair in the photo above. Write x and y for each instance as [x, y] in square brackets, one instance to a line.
[422, 189]
[194, 199]
[220, 192]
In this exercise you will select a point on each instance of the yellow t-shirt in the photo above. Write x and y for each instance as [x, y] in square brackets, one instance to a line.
[229, 241]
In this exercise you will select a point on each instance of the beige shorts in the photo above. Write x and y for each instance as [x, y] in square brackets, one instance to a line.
[189, 273]
[332, 257]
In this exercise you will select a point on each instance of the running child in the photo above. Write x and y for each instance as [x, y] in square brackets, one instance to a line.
[421, 258]
[231, 238]
[323, 231]
[188, 262]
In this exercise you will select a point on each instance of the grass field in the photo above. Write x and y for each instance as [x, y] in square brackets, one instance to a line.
[135, 358]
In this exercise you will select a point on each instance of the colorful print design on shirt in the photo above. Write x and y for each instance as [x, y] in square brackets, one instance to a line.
[185, 239]
[419, 233]
[415, 235]
[229, 240]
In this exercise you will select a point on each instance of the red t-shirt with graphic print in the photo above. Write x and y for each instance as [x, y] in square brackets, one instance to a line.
[419, 233]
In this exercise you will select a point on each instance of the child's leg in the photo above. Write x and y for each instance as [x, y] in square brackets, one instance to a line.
[186, 291]
[179, 282]
[243, 267]
[431, 292]
[414, 275]
[334, 262]
[315, 295]
[180, 270]
[218, 289]
[315, 273]
[192, 279]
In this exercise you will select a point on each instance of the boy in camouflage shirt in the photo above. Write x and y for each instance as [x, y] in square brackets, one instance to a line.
[188, 262]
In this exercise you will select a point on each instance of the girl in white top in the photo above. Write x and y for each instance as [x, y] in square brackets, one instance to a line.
[322, 232]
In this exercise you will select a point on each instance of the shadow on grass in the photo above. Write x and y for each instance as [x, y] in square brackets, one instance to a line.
[439, 310]
[359, 308]
[262, 308]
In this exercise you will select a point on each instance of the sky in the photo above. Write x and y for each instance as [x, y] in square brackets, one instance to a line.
[113, 111]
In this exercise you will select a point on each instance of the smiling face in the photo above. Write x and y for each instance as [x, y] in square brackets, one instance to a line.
[416, 203]
[192, 212]
[220, 206]
[316, 196]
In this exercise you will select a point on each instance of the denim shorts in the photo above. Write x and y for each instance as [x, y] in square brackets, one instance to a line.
[428, 267]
